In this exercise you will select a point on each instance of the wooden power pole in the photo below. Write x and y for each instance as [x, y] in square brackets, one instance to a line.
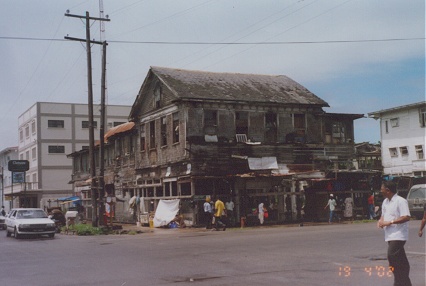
[94, 193]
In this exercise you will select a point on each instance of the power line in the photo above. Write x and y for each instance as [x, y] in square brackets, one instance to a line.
[231, 43]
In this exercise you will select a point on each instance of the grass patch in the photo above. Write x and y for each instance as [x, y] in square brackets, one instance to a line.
[85, 229]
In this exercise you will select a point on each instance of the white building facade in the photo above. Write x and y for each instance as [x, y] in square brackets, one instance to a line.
[403, 137]
[6, 155]
[47, 133]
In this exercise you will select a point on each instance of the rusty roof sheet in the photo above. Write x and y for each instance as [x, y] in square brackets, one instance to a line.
[193, 85]
[118, 129]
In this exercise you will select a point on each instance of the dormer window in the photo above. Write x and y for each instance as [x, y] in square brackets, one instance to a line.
[157, 96]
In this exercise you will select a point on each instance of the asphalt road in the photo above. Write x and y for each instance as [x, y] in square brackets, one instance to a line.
[340, 254]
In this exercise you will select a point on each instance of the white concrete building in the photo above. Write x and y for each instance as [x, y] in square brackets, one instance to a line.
[403, 137]
[6, 155]
[47, 133]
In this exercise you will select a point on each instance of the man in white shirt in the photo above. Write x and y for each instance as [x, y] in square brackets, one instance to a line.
[394, 221]
[229, 206]
[208, 213]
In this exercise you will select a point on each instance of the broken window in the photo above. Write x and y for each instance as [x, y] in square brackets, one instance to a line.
[339, 131]
[142, 138]
[152, 134]
[393, 152]
[299, 121]
[175, 127]
[210, 122]
[403, 150]
[241, 122]
[163, 131]
[270, 127]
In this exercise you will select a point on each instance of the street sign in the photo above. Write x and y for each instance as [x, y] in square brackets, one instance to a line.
[18, 165]
[18, 177]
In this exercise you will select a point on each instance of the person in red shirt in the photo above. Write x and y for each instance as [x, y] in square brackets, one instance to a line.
[371, 212]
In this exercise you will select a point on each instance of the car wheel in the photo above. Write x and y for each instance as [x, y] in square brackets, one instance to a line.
[16, 234]
[8, 233]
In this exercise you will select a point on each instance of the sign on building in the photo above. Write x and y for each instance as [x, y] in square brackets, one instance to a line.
[18, 165]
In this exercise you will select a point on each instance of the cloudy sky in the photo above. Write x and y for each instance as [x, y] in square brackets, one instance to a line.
[358, 55]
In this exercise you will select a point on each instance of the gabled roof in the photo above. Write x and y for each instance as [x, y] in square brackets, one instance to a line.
[380, 113]
[236, 86]
[201, 85]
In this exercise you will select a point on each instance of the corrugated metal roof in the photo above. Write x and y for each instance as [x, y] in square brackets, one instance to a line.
[118, 129]
[188, 84]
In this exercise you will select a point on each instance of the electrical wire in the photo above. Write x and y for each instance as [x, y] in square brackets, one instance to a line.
[231, 43]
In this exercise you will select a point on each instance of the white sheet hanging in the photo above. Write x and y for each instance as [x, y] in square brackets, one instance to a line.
[166, 211]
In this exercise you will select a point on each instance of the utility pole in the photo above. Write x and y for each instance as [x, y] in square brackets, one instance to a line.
[90, 105]
[102, 135]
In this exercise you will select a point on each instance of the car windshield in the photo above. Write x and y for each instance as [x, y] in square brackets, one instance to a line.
[419, 193]
[24, 214]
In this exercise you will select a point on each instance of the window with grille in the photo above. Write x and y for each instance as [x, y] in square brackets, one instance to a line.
[56, 149]
[55, 123]
[394, 122]
[85, 124]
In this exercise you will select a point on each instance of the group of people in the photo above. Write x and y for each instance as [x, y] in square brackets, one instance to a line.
[218, 215]
[348, 206]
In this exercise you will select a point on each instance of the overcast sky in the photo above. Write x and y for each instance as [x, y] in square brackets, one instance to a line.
[359, 56]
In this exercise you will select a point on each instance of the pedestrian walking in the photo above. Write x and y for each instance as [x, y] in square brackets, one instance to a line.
[219, 214]
[371, 212]
[208, 213]
[394, 221]
[229, 206]
[422, 224]
[349, 206]
[332, 205]
[261, 212]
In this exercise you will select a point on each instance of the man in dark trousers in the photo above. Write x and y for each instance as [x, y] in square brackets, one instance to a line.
[394, 221]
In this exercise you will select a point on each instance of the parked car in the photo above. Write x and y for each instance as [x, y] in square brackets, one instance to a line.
[2, 222]
[416, 200]
[23, 221]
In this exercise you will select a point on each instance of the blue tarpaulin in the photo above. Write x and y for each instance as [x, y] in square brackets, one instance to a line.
[73, 199]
